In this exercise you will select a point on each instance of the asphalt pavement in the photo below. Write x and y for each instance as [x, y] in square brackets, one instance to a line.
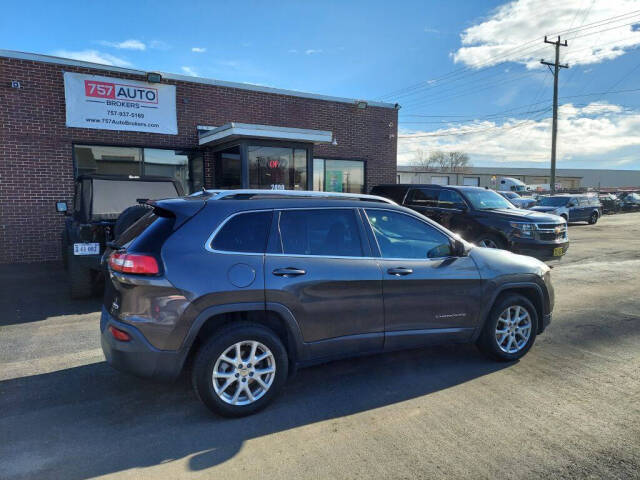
[569, 409]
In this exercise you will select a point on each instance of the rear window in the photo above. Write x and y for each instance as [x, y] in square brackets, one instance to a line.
[244, 233]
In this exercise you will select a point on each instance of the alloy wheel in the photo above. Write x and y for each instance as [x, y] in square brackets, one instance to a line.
[244, 372]
[513, 329]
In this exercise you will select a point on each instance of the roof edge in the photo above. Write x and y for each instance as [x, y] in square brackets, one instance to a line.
[37, 57]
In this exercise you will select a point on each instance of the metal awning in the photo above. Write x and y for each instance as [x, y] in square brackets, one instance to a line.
[235, 131]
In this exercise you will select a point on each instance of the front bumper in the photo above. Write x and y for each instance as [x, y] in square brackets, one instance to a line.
[538, 249]
[137, 356]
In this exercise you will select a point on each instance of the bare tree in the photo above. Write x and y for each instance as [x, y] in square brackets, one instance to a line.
[458, 161]
[421, 159]
[439, 160]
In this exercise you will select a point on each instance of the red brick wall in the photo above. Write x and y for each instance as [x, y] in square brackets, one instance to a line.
[36, 167]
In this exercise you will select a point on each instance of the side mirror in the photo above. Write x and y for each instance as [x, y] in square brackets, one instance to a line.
[458, 249]
[61, 207]
[461, 207]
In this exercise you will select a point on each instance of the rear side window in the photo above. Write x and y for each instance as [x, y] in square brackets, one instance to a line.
[423, 197]
[244, 233]
[323, 232]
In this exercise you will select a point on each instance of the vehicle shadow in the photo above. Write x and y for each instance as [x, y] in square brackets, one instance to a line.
[91, 420]
[36, 291]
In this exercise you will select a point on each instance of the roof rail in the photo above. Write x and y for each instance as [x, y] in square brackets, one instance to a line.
[252, 194]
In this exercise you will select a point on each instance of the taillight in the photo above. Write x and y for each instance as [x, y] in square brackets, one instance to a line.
[118, 334]
[133, 263]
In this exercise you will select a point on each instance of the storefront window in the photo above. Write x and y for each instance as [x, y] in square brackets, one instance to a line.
[108, 160]
[228, 168]
[277, 168]
[185, 166]
[338, 175]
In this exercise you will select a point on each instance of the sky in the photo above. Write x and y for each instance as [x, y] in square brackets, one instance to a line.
[466, 74]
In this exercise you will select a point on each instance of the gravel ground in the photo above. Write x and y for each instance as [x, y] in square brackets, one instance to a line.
[569, 409]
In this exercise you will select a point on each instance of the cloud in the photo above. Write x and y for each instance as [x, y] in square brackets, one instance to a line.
[93, 56]
[431, 30]
[501, 36]
[198, 49]
[159, 45]
[293, 50]
[130, 44]
[312, 51]
[189, 71]
[590, 132]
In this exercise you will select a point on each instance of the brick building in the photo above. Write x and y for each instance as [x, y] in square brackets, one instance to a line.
[209, 133]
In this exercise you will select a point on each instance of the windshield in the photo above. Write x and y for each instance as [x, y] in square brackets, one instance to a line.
[553, 201]
[486, 200]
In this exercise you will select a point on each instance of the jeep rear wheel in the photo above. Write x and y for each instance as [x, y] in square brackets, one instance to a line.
[510, 329]
[240, 369]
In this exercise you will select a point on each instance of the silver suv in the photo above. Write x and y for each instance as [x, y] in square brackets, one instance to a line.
[246, 286]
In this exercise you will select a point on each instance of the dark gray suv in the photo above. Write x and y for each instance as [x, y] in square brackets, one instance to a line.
[245, 286]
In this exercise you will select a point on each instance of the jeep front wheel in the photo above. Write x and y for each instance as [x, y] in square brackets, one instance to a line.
[240, 369]
[510, 329]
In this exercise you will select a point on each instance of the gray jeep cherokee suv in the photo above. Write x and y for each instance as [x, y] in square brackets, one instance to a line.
[245, 286]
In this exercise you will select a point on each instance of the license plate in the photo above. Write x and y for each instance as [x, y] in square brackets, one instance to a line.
[86, 248]
[558, 252]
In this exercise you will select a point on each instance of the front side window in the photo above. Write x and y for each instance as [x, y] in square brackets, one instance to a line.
[553, 201]
[450, 199]
[244, 233]
[487, 199]
[403, 236]
[323, 232]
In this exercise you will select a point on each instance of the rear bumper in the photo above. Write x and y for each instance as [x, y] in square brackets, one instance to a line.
[537, 249]
[137, 356]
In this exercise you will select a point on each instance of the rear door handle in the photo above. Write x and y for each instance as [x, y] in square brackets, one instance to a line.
[400, 271]
[289, 272]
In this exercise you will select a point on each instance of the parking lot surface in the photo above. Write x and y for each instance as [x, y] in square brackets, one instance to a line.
[569, 409]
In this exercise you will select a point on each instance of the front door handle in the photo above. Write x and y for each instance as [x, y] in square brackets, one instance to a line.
[289, 272]
[400, 271]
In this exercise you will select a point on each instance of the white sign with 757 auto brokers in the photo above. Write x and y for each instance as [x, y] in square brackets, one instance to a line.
[109, 103]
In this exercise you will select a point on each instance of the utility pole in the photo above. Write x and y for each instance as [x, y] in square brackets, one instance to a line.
[554, 130]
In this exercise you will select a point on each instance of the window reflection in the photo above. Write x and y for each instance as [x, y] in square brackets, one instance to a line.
[278, 168]
[338, 175]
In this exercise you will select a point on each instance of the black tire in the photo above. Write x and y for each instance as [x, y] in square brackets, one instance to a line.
[215, 346]
[491, 239]
[128, 217]
[487, 341]
[81, 278]
[593, 219]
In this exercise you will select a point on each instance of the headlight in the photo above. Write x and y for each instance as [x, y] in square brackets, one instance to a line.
[524, 230]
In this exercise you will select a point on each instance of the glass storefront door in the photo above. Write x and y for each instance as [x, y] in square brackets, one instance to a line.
[277, 168]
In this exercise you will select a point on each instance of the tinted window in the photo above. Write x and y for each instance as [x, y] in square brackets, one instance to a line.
[327, 232]
[404, 236]
[553, 201]
[423, 197]
[482, 199]
[246, 232]
[450, 199]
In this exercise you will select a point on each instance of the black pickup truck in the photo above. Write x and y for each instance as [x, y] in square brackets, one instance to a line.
[104, 206]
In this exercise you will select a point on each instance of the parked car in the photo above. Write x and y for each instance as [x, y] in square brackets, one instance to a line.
[518, 201]
[610, 203]
[573, 208]
[104, 206]
[630, 201]
[484, 217]
[249, 285]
